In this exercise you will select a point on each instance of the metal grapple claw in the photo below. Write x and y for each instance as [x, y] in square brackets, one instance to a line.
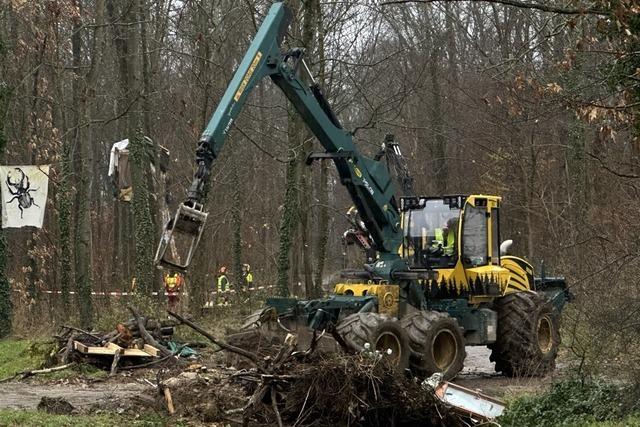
[180, 238]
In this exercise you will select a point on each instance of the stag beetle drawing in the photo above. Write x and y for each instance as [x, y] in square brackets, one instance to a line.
[21, 191]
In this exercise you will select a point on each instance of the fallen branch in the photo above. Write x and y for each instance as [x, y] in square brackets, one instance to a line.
[169, 400]
[148, 338]
[252, 357]
[274, 404]
[27, 374]
[73, 328]
[68, 349]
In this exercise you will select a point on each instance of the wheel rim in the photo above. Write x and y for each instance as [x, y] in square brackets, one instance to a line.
[445, 349]
[386, 341]
[544, 334]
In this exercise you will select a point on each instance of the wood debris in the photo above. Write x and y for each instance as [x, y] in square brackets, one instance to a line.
[140, 340]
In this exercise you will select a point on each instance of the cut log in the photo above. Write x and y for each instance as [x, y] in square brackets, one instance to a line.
[169, 400]
[116, 360]
[146, 335]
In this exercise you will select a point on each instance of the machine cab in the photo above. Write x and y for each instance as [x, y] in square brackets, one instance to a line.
[440, 232]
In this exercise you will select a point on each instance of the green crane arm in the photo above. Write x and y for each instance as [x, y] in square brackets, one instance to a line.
[367, 180]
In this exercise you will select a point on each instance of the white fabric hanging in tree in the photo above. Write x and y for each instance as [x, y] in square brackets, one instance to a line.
[24, 195]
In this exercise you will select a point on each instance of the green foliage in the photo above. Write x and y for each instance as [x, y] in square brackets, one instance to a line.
[630, 421]
[36, 418]
[143, 221]
[17, 356]
[572, 402]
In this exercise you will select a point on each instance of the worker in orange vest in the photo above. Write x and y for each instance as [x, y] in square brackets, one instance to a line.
[173, 284]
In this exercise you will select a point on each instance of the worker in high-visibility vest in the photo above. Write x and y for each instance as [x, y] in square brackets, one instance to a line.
[173, 284]
[223, 286]
[446, 237]
[247, 276]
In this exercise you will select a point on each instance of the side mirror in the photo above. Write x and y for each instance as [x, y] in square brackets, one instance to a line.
[505, 246]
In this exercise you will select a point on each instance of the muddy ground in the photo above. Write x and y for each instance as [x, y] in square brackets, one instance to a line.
[121, 393]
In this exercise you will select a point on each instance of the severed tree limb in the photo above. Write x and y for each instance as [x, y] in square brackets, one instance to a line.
[148, 338]
[73, 328]
[68, 349]
[116, 360]
[274, 404]
[27, 374]
[169, 400]
[522, 5]
[233, 349]
[252, 406]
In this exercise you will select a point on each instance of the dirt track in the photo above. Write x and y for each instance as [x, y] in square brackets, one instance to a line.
[479, 374]
[22, 395]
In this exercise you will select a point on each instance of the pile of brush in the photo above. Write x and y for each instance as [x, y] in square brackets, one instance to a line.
[135, 332]
[286, 385]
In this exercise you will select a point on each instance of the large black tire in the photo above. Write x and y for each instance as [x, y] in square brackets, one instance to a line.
[358, 329]
[381, 333]
[528, 335]
[437, 343]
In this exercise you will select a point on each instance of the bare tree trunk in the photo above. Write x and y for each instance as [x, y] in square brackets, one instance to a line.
[322, 238]
[439, 143]
[530, 187]
[83, 251]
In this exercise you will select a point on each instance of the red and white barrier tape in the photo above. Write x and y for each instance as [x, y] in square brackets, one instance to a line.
[117, 294]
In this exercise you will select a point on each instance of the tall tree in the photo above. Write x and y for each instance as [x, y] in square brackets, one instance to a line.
[143, 228]
[82, 163]
[5, 287]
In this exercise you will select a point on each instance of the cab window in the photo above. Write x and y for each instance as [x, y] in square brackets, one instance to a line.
[430, 235]
[474, 240]
[495, 237]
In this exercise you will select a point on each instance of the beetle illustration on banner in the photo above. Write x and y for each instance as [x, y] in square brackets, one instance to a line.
[24, 195]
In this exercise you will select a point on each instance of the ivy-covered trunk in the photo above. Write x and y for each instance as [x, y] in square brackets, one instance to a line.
[236, 245]
[5, 289]
[286, 227]
[143, 222]
[82, 164]
[64, 223]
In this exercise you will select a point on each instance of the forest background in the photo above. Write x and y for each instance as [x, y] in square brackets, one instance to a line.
[536, 102]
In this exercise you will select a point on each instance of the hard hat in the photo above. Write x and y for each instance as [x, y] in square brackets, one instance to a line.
[247, 266]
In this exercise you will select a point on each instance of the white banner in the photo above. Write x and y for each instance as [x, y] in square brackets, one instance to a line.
[24, 195]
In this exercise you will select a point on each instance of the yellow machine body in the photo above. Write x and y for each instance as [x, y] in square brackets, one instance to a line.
[388, 295]
[479, 280]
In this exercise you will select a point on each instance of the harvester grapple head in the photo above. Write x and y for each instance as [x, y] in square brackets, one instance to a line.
[180, 238]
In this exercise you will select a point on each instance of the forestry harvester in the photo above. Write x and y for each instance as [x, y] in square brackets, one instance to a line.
[439, 281]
